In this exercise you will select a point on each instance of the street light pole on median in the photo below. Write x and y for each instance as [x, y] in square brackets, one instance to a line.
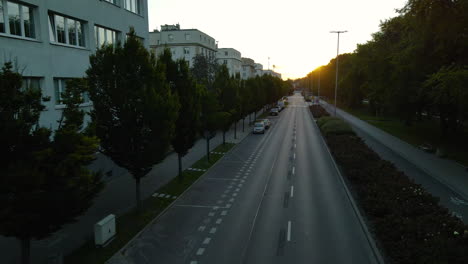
[337, 53]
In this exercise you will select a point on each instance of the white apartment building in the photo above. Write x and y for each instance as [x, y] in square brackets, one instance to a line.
[258, 69]
[248, 69]
[183, 43]
[272, 73]
[50, 41]
[231, 58]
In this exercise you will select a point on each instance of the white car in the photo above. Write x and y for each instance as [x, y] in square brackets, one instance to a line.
[259, 128]
[274, 111]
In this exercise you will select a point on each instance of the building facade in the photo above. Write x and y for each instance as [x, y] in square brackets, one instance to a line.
[183, 43]
[231, 58]
[272, 73]
[248, 69]
[50, 41]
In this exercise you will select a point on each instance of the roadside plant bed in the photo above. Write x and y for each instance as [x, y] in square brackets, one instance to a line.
[132, 222]
[318, 111]
[408, 222]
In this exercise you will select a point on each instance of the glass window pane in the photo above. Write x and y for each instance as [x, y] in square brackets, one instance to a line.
[2, 19]
[28, 22]
[71, 32]
[52, 28]
[60, 26]
[79, 30]
[102, 36]
[14, 18]
[109, 37]
[57, 91]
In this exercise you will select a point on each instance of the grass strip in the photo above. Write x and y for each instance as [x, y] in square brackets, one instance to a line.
[130, 223]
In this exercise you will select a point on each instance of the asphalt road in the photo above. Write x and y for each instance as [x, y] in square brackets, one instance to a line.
[275, 198]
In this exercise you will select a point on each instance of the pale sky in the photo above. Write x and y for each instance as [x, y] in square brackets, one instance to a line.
[293, 33]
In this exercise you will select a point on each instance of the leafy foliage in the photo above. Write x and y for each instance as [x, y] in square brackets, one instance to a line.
[134, 107]
[45, 181]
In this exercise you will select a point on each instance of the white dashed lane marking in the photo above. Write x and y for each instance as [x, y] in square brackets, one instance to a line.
[206, 241]
[213, 230]
[200, 251]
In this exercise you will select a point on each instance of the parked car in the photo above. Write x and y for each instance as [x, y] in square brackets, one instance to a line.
[280, 105]
[259, 128]
[266, 122]
[274, 111]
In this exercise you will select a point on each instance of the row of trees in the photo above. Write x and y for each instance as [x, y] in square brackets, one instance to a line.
[415, 66]
[141, 106]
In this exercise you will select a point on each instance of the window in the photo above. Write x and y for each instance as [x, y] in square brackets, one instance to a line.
[225, 62]
[225, 53]
[186, 50]
[105, 36]
[171, 37]
[2, 18]
[115, 2]
[132, 6]
[187, 36]
[16, 19]
[31, 83]
[66, 30]
[60, 85]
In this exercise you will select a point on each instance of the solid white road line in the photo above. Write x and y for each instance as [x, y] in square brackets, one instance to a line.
[289, 231]
[292, 191]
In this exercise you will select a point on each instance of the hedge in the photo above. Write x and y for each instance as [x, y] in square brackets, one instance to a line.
[317, 111]
[335, 126]
[407, 220]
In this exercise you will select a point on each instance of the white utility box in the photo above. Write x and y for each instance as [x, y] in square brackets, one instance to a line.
[104, 231]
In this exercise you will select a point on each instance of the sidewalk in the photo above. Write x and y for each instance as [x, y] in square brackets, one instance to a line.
[447, 172]
[117, 197]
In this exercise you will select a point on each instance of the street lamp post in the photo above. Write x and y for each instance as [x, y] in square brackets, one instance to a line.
[337, 53]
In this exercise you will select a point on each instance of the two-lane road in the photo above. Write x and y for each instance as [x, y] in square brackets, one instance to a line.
[276, 198]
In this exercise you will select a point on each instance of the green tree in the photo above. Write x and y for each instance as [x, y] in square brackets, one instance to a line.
[134, 108]
[45, 183]
[228, 97]
[210, 117]
[204, 70]
[189, 95]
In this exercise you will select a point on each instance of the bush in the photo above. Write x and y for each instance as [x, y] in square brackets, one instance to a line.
[336, 127]
[318, 111]
[407, 220]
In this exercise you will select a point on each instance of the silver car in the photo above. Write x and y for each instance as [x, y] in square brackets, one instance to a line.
[259, 128]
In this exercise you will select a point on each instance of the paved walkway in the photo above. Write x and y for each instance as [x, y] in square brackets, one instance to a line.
[117, 197]
[447, 172]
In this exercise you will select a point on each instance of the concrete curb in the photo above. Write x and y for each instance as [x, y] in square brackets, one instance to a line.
[370, 238]
[119, 254]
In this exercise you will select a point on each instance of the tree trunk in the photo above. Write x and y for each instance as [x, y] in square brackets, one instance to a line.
[255, 116]
[208, 149]
[224, 137]
[243, 125]
[138, 197]
[179, 157]
[25, 250]
[235, 130]
[250, 118]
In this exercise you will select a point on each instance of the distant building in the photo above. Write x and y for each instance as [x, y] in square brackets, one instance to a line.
[183, 43]
[248, 68]
[231, 58]
[50, 41]
[272, 73]
[258, 69]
